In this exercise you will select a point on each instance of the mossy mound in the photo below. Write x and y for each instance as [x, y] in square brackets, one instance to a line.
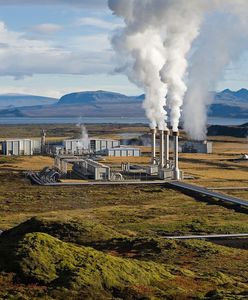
[83, 232]
[67, 267]
[44, 259]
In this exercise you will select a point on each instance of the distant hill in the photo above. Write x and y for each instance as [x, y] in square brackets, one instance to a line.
[240, 131]
[98, 97]
[227, 95]
[19, 100]
[110, 104]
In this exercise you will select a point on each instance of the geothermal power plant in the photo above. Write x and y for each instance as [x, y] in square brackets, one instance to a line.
[85, 157]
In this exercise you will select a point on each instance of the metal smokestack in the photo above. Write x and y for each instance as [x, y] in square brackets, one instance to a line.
[167, 148]
[161, 160]
[43, 141]
[153, 142]
[176, 172]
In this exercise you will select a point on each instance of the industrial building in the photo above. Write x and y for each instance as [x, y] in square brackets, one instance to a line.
[122, 152]
[79, 147]
[21, 147]
[91, 169]
[75, 146]
[98, 145]
[197, 147]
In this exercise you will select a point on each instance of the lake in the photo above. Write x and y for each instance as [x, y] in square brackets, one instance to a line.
[114, 120]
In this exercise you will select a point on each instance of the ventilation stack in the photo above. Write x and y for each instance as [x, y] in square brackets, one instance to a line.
[162, 154]
[167, 148]
[176, 171]
[153, 142]
[43, 141]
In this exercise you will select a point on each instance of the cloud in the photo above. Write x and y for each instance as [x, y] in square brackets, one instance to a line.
[22, 57]
[46, 28]
[98, 23]
[82, 3]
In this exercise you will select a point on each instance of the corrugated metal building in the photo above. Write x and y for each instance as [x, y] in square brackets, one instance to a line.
[72, 146]
[92, 169]
[123, 152]
[102, 144]
[75, 146]
[21, 147]
[197, 147]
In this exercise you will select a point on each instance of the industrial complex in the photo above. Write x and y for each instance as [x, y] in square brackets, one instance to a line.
[83, 158]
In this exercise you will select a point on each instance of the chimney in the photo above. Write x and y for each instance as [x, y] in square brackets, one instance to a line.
[43, 141]
[167, 148]
[153, 142]
[161, 159]
[176, 172]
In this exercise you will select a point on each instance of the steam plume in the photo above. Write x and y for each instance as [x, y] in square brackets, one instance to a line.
[84, 138]
[222, 41]
[156, 43]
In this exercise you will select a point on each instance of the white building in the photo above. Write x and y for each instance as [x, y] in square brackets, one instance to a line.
[21, 147]
[91, 169]
[73, 146]
[123, 152]
[102, 144]
[77, 146]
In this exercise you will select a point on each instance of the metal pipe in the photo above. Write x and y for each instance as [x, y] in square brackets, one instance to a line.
[161, 159]
[153, 146]
[167, 148]
[176, 171]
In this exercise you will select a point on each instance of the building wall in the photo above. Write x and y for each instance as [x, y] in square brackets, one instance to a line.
[18, 147]
[102, 144]
[197, 147]
[93, 169]
[123, 152]
[21, 147]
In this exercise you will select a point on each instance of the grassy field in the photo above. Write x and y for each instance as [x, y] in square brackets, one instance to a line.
[110, 243]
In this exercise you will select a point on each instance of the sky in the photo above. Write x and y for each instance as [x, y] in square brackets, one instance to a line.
[54, 47]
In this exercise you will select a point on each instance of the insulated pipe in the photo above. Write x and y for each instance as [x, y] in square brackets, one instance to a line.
[161, 159]
[167, 148]
[153, 142]
[176, 171]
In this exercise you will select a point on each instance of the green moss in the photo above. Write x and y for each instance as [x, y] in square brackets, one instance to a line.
[80, 232]
[45, 259]
[203, 248]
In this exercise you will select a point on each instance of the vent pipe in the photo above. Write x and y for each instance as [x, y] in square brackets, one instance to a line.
[161, 159]
[153, 142]
[176, 172]
[167, 148]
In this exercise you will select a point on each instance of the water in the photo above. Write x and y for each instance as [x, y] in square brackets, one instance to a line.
[113, 120]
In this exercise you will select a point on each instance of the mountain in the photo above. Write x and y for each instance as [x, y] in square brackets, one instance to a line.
[19, 100]
[109, 104]
[97, 97]
[228, 96]
[240, 131]
[230, 104]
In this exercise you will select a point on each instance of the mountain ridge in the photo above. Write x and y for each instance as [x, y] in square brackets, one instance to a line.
[100, 103]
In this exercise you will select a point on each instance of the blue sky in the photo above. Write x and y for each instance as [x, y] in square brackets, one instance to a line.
[53, 47]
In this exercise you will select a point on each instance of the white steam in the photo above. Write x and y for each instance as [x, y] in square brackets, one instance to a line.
[154, 47]
[221, 43]
[141, 56]
[84, 141]
[182, 24]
